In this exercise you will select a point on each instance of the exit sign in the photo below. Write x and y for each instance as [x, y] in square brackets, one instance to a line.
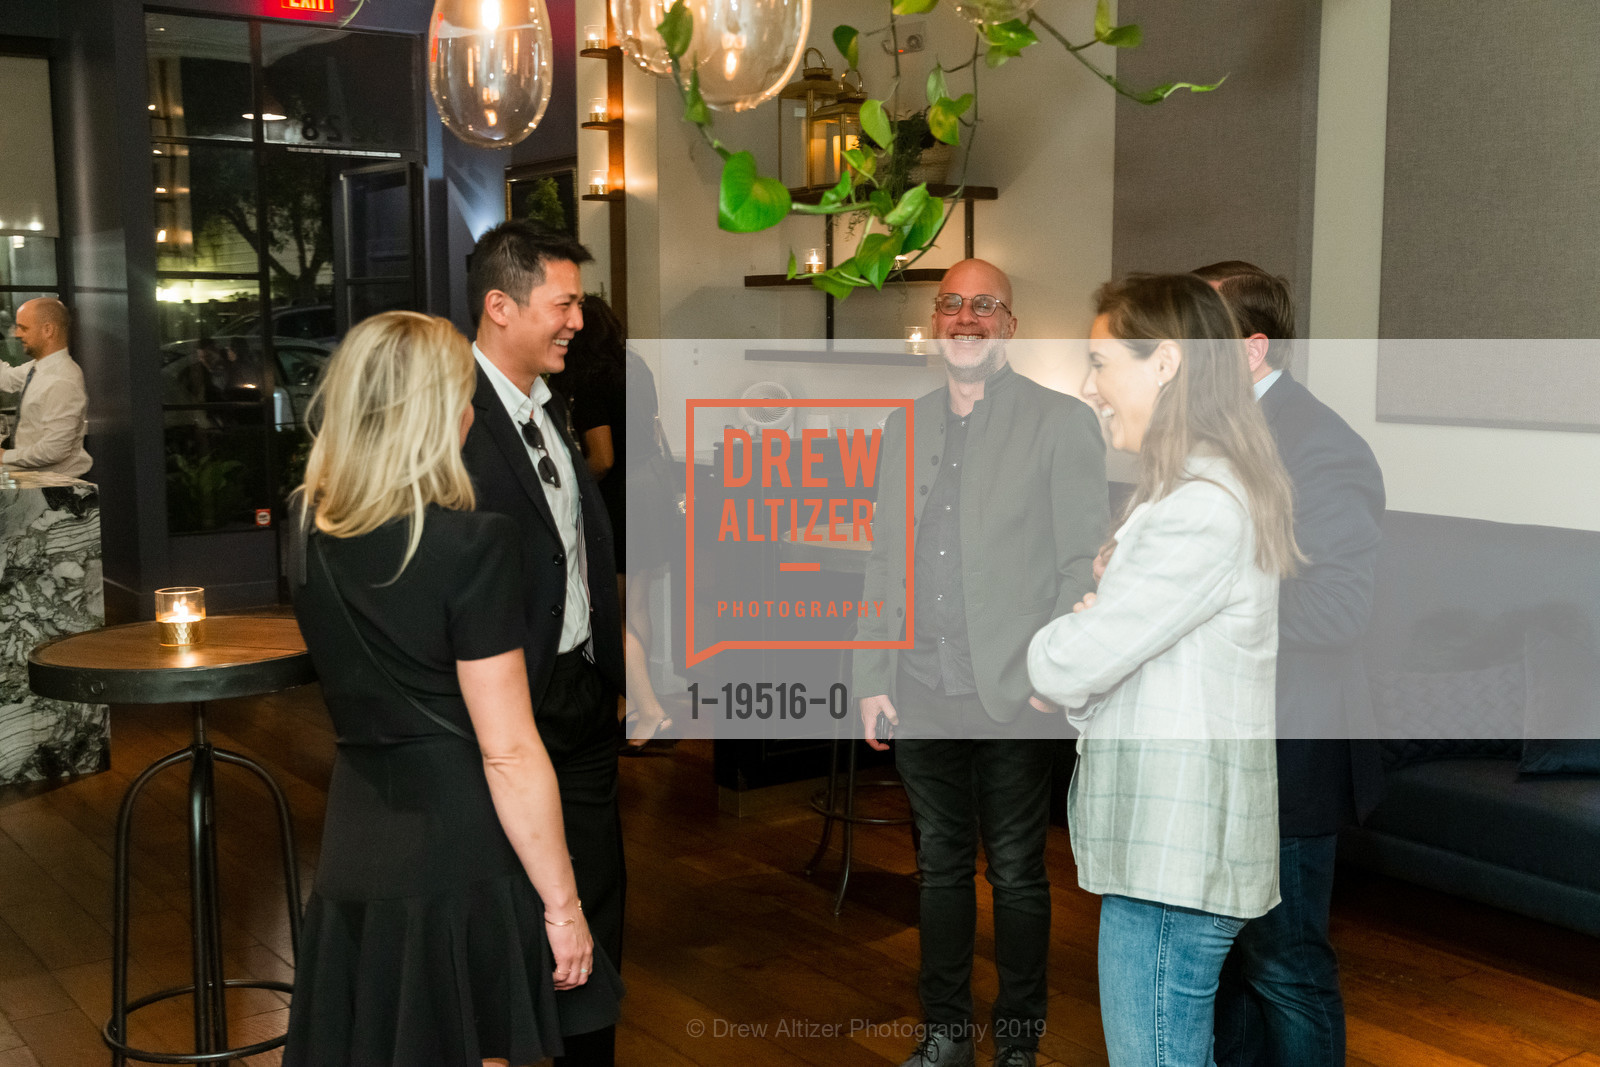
[306, 7]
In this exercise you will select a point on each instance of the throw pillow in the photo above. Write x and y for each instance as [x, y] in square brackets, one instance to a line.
[1563, 721]
[1430, 715]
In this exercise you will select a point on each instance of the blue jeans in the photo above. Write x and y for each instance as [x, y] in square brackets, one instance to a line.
[1158, 981]
[1280, 1001]
[964, 791]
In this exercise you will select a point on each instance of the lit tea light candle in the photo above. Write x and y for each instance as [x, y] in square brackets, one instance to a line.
[594, 36]
[814, 261]
[599, 110]
[599, 183]
[915, 341]
[181, 614]
[901, 261]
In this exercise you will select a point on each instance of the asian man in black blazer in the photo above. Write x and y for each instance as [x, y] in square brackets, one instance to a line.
[1280, 1002]
[526, 289]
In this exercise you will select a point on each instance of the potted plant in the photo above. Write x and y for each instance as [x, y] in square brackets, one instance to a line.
[917, 155]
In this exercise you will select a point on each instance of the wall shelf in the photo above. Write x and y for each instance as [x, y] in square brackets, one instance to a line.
[914, 276]
[611, 56]
[614, 196]
[614, 124]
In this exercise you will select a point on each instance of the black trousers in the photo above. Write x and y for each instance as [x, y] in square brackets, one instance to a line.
[578, 724]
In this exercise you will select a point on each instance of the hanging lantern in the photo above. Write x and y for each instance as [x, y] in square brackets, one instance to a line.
[745, 50]
[993, 12]
[489, 68]
[800, 163]
[636, 22]
[835, 129]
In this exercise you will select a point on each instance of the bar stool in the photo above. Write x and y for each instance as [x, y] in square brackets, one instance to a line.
[241, 656]
[836, 802]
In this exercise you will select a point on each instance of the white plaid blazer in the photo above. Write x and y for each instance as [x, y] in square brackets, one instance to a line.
[1170, 678]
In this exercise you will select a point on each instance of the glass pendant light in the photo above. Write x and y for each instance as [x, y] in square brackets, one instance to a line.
[489, 68]
[746, 50]
[636, 22]
[993, 12]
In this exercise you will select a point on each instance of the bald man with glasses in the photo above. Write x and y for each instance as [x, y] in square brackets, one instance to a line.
[1010, 506]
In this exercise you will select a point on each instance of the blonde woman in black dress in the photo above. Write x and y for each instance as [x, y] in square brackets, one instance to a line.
[445, 918]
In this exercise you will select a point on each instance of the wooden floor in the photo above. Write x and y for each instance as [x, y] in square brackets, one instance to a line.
[733, 956]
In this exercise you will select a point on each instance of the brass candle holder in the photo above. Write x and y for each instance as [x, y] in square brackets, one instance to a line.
[181, 615]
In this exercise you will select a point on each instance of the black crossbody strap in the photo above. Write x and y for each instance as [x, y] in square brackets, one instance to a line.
[439, 720]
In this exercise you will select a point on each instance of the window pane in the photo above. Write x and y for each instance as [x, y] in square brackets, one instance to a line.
[369, 299]
[216, 467]
[300, 192]
[205, 208]
[190, 309]
[199, 77]
[379, 205]
[27, 260]
[339, 90]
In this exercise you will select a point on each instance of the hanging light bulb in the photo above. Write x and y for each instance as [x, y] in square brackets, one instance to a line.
[745, 50]
[993, 12]
[489, 68]
[636, 22]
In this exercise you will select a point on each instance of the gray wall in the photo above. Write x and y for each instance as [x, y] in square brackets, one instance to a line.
[1226, 174]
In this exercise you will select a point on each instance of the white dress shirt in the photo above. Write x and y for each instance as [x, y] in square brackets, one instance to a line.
[563, 500]
[51, 418]
[1268, 382]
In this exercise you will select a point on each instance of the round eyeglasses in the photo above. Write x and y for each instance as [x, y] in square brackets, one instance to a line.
[982, 306]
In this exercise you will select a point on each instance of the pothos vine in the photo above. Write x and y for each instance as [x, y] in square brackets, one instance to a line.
[900, 226]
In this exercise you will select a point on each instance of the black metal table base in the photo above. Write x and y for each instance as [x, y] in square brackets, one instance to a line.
[209, 986]
[826, 802]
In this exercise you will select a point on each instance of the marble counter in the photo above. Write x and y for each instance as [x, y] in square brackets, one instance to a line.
[50, 585]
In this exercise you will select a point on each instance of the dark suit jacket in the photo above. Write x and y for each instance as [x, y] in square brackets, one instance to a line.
[1325, 780]
[505, 480]
[1034, 511]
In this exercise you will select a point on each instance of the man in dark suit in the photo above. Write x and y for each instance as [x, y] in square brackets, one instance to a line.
[526, 290]
[1009, 506]
[1279, 1003]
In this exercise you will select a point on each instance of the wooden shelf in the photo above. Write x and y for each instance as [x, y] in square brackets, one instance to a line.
[971, 192]
[837, 355]
[614, 124]
[614, 196]
[914, 276]
[601, 53]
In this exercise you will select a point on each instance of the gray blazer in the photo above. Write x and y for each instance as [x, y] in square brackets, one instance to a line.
[1034, 511]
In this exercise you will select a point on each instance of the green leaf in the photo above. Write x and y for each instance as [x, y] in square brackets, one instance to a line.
[882, 203]
[748, 202]
[914, 7]
[831, 284]
[909, 207]
[1007, 40]
[860, 161]
[847, 39]
[926, 227]
[794, 266]
[876, 257]
[937, 88]
[839, 193]
[677, 29]
[875, 123]
[1102, 19]
[1128, 36]
[694, 105]
[944, 118]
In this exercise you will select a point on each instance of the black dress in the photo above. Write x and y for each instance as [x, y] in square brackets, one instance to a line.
[424, 941]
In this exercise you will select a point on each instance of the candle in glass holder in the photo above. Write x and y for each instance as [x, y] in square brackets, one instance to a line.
[916, 341]
[599, 183]
[181, 614]
[599, 110]
[594, 36]
[814, 261]
[901, 261]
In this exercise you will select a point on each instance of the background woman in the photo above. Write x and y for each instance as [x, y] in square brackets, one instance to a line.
[1168, 670]
[444, 919]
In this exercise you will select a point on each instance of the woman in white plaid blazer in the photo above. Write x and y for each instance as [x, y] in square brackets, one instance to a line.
[1168, 671]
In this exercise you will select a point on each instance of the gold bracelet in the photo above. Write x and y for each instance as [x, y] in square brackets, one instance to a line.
[565, 922]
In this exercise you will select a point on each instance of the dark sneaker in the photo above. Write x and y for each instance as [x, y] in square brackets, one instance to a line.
[941, 1050]
[1014, 1056]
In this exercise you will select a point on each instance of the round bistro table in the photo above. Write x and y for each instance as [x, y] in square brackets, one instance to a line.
[240, 656]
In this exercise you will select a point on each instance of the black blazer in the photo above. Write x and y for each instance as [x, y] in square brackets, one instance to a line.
[505, 481]
[1322, 613]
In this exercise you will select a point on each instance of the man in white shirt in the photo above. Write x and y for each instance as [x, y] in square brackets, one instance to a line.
[52, 414]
